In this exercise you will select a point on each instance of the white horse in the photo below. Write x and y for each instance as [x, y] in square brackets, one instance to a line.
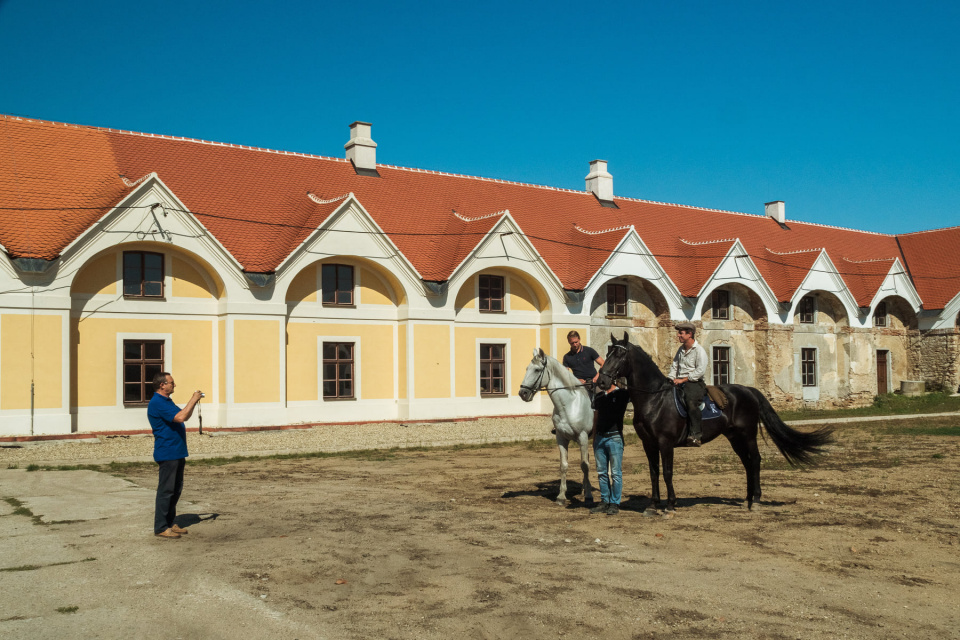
[572, 414]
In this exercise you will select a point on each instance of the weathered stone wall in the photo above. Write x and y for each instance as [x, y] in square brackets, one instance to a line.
[940, 359]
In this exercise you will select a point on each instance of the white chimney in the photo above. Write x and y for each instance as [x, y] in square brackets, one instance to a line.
[361, 149]
[776, 211]
[599, 181]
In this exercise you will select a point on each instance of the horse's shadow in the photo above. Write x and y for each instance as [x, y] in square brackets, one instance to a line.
[550, 490]
[189, 519]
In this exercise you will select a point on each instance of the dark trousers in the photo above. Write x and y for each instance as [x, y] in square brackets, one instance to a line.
[168, 492]
[692, 392]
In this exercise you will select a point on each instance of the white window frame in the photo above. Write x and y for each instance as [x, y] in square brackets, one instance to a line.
[357, 395]
[507, 382]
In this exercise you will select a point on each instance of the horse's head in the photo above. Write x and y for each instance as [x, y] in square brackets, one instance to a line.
[533, 379]
[616, 364]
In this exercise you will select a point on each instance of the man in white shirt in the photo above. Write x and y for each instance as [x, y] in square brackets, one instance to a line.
[687, 371]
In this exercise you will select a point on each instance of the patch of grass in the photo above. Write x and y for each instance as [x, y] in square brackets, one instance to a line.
[13, 466]
[889, 404]
[67, 609]
[938, 456]
[33, 467]
[34, 567]
[920, 428]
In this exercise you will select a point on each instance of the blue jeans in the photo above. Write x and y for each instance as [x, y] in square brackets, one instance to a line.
[608, 452]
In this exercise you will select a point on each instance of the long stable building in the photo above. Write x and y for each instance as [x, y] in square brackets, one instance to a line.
[297, 288]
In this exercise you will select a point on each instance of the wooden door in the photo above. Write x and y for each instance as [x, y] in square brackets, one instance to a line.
[883, 384]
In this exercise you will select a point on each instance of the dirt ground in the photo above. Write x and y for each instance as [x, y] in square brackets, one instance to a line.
[468, 543]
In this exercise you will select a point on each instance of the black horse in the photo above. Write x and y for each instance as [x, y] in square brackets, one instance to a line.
[661, 427]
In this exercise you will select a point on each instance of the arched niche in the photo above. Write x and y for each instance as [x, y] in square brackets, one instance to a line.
[636, 307]
[373, 284]
[743, 304]
[186, 275]
[899, 314]
[522, 292]
[828, 310]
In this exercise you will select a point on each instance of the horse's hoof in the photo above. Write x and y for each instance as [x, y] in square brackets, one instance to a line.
[561, 503]
[649, 512]
[668, 514]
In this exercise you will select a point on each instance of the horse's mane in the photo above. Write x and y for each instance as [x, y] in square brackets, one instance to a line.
[566, 376]
[646, 363]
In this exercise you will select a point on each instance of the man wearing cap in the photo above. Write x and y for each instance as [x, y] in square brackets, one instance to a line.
[687, 371]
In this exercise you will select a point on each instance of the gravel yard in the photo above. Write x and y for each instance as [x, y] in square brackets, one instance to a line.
[334, 437]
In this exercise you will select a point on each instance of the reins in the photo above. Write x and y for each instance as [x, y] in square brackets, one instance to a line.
[539, 387]
[617, 374]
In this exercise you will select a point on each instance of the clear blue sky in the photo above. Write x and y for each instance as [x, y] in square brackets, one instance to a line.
[848, 111]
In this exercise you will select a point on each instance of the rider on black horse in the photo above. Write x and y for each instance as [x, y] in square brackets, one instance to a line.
[687, 371]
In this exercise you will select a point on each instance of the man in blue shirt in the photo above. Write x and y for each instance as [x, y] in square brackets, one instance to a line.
[169, 451]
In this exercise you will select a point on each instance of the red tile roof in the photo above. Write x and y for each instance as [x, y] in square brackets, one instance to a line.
[255, 202]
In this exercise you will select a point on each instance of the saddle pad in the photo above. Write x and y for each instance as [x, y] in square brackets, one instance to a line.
[708, 408]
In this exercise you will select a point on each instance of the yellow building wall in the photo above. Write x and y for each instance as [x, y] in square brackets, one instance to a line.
[465, 297]
[545, 342]
[303, 365]
[98, 276]
[304, 286]
[16, 366]
[186, 282]
[372, 289]
[95, 375]
[522, 343]
[521, 297]
[431, 361]
[222, 360]
[256, 361]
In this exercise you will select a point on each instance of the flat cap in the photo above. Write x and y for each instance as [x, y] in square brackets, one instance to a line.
[685, 326]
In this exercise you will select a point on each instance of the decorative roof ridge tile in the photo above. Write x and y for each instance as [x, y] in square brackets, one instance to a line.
[845, 259]
[790, 253]
[133, 183]
[913, 233]
[330, 201]
[482, 179]
[484, 217]
[596, 233]
[694, 244]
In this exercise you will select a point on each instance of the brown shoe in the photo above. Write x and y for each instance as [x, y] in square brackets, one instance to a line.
[177, 529]
[167, 533]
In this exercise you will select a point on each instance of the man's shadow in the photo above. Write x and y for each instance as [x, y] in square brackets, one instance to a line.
[190, 519]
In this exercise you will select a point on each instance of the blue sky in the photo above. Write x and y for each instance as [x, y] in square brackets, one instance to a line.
[848, 111]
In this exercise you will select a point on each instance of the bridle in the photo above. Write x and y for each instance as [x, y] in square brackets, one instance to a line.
[616, 374]
[539, 384]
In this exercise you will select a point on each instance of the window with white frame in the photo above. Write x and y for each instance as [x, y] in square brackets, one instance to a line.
[493, 369]
[721, 305]
[338, 370]
[880, 315]
[721, 365]
[142, 359]
[617, 300]
[807, 310]
[808, 367]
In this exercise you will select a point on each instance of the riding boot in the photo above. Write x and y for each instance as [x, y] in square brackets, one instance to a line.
[692, 394]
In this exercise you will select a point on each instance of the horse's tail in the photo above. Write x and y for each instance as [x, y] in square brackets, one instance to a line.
[798, 447]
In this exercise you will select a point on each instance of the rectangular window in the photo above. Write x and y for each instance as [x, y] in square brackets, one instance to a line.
[880, 315]
[808, 367]
[808, 310]
[492, 368]
[142, 359]
[616, 300]
[721, 365]
[721, 305]
[338, 370]
[142, 274]
[491, 294]
[337, 284]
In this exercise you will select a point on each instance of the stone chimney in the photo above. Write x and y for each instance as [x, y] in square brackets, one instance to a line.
[599, 181]
[776, 211]
[361, 149]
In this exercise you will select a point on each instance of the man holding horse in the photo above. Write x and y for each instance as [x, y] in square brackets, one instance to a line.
[607, 437]
[687, 371]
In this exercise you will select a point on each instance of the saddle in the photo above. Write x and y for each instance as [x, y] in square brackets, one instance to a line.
[709, 408]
